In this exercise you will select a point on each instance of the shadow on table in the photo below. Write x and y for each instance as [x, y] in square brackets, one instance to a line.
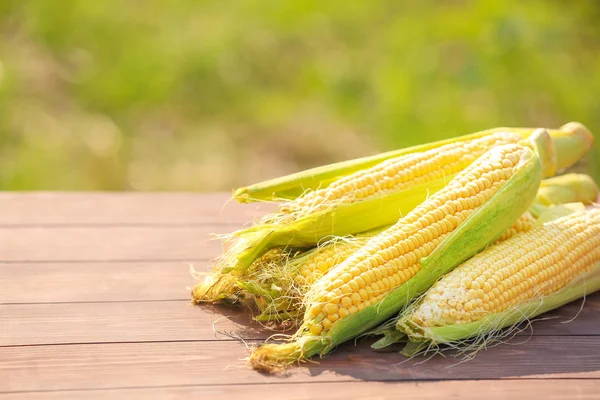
[236, 322]
[541, 355]
[551, 347]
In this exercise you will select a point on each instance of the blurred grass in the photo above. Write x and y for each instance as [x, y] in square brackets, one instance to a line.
[198, 95]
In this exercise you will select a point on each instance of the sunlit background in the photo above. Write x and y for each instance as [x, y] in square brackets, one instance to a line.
[211, 95]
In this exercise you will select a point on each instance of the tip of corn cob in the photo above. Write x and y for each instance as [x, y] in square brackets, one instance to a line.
[567, 188]
[558, 211]
[541, 141]
[241, 195]
[214, 288]
[572, 141]
[580, 130]
[276, 358]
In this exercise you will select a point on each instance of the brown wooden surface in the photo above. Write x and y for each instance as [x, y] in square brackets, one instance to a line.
[94, 303]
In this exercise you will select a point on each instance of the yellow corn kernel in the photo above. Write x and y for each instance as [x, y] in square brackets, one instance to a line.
[525, 223]
[322, 259]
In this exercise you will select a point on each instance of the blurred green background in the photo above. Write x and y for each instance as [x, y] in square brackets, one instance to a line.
[207, 95]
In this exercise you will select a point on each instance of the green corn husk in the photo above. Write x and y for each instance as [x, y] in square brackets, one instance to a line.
[340, 220]
[480, 229]
[473, 334]
[278, 292]
[292, 186]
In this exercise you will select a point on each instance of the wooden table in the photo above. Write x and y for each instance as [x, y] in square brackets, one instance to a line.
[94, 304]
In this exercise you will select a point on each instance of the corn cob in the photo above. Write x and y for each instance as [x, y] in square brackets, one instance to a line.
[508, 283]
[454, 224]
[399, 173]
[279, 286]
[523, 224]
[295, 185]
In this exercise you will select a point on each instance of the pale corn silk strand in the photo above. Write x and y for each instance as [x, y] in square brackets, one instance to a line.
[391, 258]
[398, 174]
[293, 278]
[523, 268]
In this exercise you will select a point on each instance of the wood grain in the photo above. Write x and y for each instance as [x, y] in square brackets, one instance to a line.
[40, 244]
[554, 389]
[96, 281]
[165, 280]
[125, 209]
[35, 324]
[96, 366]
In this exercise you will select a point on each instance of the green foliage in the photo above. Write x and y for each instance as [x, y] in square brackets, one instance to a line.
[198, 95]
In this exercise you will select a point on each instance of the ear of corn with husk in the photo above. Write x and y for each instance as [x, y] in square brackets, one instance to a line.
[529, 274]
[295, 185]
[292, 186]
[457, 222]
[367, 200]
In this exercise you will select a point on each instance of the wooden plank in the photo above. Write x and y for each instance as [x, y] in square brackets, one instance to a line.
[579, 317]
[55, 208]
[144, 281]
[35, 324]
[549, 389]
[122, 365]
[38, 244]
[152, 281]
[77, 282]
